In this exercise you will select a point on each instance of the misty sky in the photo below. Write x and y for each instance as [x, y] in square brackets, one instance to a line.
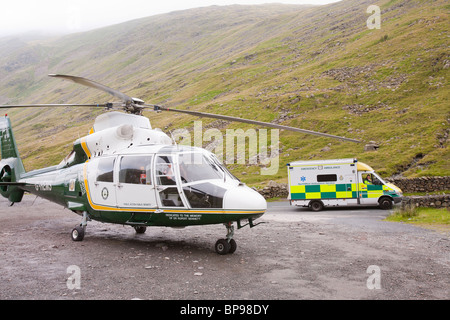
[66, 16]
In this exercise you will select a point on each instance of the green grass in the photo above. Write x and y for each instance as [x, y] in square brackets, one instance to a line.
[431, 218]
[256, 62]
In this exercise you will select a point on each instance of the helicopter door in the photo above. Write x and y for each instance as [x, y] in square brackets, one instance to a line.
[135, 188]
[167, 189]
[101, 181]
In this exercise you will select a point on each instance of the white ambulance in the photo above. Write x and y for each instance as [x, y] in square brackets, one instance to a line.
[340, 182]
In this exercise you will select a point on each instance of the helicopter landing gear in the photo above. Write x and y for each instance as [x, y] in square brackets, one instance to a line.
[79, 231]
[140, 229]
[227, 245]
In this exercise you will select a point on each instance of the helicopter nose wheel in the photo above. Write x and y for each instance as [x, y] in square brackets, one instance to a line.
[79, 231]
[140, 229]
[227, 245]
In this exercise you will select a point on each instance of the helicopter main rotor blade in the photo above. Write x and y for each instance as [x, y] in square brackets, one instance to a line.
[96, 85]
[135, 106]
[105, 105]
[260, 123]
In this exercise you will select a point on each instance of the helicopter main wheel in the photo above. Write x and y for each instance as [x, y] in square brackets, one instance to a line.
[140, 229]
[233, 246]
[78, 233]
[222, 246]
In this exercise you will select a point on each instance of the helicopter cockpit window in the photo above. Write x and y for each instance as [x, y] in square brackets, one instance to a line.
[105, 169]
[196, 167]
[204, 195]
[223, 168]
[135, 170]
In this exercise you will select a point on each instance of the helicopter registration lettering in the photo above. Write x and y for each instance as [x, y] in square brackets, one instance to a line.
[183, 216]
[43, 186]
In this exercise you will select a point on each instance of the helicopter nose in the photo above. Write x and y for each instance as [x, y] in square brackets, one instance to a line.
[243, 198]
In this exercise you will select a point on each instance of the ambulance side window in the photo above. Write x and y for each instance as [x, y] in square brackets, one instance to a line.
[105, 169]
[326, 177]
[371, 179]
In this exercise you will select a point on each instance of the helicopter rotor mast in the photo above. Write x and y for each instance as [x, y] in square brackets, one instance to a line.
[129, 104]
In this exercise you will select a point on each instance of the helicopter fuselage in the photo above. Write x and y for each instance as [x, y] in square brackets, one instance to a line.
[125, 172]
[149, 186]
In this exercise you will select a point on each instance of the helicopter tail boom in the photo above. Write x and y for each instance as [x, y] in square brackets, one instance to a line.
[11, 166]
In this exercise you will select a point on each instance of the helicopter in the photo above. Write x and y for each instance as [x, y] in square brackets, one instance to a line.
[125, 172]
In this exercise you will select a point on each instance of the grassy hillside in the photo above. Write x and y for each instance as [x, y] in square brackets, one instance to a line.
[318, 68]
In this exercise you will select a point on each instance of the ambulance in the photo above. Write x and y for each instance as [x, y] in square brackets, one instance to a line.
[341, 182]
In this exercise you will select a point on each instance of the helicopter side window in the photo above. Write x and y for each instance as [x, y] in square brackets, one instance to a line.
[135, 170]
[165, 176]
[105, 169]
[170, 197]
[164, 171]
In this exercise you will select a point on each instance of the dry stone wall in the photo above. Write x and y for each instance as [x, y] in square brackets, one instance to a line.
[422, 184]
[432, 201]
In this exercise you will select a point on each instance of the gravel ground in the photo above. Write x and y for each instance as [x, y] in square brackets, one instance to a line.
[297, 254]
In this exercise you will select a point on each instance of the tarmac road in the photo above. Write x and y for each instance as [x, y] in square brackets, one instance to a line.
[297, 254]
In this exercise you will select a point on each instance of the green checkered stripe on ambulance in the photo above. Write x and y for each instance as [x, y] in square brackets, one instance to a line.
[336, 191]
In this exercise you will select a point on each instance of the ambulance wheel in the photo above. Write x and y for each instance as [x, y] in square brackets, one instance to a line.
[222, 246]
[385, 203]
[316, 205]
[140, 229]
[77, 233]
